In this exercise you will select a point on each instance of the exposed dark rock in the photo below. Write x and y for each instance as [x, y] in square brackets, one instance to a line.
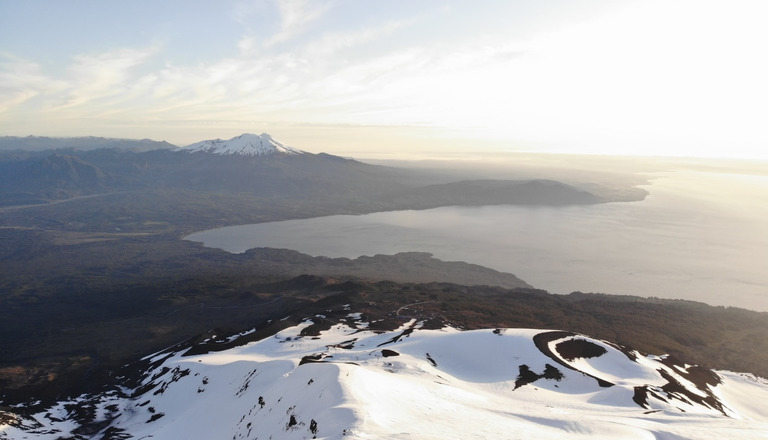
[313, 358]
[578, 348]
[396, 338]
[542, 341]
[526, 376]
[155, 417]
[675, 389]
[552, 373]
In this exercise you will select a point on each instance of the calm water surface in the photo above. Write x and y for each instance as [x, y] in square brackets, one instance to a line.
[699, 236]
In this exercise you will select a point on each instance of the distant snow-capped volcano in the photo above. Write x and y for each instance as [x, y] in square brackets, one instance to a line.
[244, 145]
[351, 382]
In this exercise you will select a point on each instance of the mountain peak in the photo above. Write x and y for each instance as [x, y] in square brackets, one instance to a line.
[246, 144]
[350, 381]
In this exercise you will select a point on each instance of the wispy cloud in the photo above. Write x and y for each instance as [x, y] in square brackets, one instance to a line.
[330, 43]
[326, 62]
[332, 78]
[295, 17]
[97, 77]
[22, 80]
[309, 84]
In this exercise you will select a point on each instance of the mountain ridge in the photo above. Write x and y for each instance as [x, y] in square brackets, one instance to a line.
[341, 375]
[83, 143]
[246, 144]
[262, 166]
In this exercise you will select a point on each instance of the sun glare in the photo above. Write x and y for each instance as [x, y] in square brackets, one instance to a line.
[684, 82]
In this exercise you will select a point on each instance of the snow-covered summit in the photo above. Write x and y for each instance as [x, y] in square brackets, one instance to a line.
[352, 382]
[246, 144]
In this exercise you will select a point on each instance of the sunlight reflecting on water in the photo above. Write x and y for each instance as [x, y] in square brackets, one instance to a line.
[699, 236]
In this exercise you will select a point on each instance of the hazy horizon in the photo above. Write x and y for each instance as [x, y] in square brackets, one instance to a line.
[656, 78]
[616, 149]
[489, 157]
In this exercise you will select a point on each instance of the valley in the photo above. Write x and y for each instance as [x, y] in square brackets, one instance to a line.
[339, 220]
[95, 274]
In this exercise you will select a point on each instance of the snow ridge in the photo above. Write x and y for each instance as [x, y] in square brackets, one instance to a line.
[246, 144]
[351, 382]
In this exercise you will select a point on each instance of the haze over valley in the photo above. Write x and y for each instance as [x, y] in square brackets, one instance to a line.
[94, 250]
[326, 219]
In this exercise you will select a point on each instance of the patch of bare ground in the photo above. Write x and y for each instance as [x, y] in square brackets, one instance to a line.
[578, 348]
[542, 341]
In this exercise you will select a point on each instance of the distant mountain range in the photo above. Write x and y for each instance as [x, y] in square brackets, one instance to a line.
[41, 143]
[252, 164]
[276, 344]
[339, 375]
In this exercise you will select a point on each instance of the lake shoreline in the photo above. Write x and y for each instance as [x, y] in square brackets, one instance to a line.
[650, 248]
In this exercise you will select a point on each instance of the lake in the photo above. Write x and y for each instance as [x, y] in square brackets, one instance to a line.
[698, 235]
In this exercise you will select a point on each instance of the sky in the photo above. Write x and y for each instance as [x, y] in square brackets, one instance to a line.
[394, 78]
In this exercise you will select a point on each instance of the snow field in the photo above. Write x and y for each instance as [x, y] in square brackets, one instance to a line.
[412, 383]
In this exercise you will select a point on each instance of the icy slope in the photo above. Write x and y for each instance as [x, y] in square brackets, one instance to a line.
[351, 382]
[243, 145]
